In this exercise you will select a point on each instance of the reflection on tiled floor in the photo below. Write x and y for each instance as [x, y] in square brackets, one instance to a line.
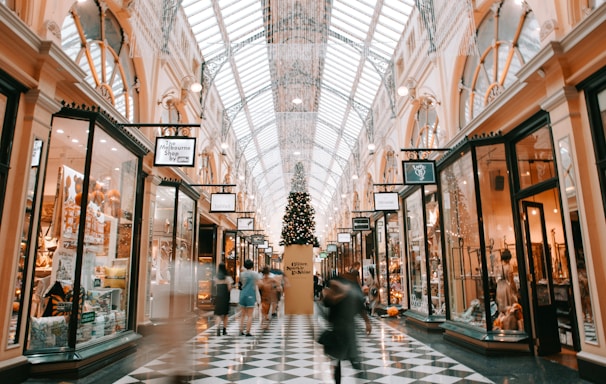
[288, 353]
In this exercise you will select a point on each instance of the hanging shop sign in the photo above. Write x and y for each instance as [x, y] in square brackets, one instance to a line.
[269, 250]
[323, 255]
[386, 201]
[257, 240]
[331, 248]
[263, 245]
[343, 237]
[419, 172]
[175, 151]
[223, 202]
[246, 224]
[360, 224]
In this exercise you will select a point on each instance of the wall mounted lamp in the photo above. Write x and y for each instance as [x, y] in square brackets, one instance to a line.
[409, 88]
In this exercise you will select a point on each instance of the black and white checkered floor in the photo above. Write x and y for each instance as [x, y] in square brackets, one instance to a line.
[288, 353]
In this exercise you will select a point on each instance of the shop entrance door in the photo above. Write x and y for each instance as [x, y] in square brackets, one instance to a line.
[539, 280]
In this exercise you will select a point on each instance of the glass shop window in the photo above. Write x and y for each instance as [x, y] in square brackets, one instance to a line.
[82, 274]
[462, 243]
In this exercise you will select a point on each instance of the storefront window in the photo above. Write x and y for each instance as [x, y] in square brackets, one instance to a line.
[424, 252]
[416, 252]
[396, 282]
[27, 243]
[230, 255]
[535, 158]
[381, 266]
[499, 236]
[462, 243]
[83, 267]
[173, 270]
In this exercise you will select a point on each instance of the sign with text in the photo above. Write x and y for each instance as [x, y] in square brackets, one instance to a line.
[343, 237]
[360, 224]
[257, 240]
[246, 224]
[175, 151]
[386, 201]
[419, 172]
[223, 202]
[331, 248]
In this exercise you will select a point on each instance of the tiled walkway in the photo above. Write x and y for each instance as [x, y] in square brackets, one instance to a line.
[288, 353]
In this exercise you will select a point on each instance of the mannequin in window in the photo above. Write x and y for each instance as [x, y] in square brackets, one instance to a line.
[507, 291]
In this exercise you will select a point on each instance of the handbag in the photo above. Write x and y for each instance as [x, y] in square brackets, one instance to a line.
[333, 345]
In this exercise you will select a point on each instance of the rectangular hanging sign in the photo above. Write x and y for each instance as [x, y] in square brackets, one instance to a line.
[360, 224]
[419, 172]
[386, 201]
[331, 248]
[223, 202]
[257, 240]
[175, 151]
[343, 237]
[246, 224]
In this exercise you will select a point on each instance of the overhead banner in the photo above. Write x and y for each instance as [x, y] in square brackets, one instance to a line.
[175, 151]
[386, 201]
[419, 172]
[223, 202]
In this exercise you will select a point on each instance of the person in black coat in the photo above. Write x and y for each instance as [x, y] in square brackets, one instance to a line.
[344, 300]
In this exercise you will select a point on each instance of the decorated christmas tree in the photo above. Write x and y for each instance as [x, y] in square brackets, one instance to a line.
[298, 224]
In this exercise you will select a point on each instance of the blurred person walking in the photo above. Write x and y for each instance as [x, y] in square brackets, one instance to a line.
[248, 297]
[223, 285]
[268, 288]
[344, 301]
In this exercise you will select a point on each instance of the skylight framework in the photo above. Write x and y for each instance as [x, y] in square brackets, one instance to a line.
[298, 79]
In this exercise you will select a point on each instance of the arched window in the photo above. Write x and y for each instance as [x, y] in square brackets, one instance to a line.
[507, 38]
[426, 132]
[92, 37]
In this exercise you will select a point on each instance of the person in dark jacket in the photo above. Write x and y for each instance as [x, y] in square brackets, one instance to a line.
[223, 284]
[344, 300]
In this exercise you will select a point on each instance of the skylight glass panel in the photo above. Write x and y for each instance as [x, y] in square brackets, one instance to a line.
[326, 137]
[227, 88]
[354, 125]
[321, 157]
[250, 152]
[346, 29]
[240, 125]
[404, 7]
[344, 151]
[355, 11]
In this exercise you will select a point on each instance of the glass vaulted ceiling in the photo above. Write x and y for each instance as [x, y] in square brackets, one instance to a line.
[321, 52]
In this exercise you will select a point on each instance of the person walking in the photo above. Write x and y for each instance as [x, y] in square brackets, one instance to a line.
[248, 297]
[344, 301]
[268, 288]
[223, 285]
[372, 287]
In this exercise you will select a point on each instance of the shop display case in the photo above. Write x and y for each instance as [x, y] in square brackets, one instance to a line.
[173, 280]
[83, 275]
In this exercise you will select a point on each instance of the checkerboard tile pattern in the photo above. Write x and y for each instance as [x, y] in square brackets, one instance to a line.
[288, 353]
